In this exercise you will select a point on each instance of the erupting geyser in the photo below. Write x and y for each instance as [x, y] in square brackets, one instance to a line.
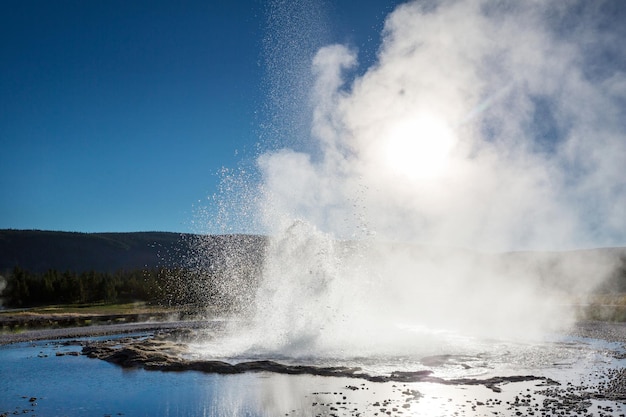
[480, 129]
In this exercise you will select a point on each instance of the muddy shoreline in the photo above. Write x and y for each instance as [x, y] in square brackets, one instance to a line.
[104, 330]
[105, 325]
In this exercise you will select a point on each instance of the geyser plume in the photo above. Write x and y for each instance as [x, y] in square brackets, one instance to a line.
[484, 127]
[398, 140]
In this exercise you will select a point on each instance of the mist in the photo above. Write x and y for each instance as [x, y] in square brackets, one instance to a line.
[503, 139]
[483, 128]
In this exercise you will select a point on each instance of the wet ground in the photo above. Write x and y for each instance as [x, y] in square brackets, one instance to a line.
[152, 373]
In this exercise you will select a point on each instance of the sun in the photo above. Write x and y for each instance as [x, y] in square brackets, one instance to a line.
[418, 148]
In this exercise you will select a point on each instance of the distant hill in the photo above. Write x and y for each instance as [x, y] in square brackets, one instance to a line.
[38, 251]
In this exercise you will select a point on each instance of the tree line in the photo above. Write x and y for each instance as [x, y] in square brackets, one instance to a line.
[164, 286]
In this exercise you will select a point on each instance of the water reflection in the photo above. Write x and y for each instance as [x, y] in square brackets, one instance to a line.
[63, 384]
[76, 386]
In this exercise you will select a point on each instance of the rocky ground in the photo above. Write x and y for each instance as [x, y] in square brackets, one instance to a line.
[601, 394]
[98, 330]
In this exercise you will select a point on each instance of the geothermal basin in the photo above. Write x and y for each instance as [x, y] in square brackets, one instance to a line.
[478, 128]
[173, 372]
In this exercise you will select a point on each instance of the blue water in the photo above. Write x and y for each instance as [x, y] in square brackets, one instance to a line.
[94, 387]
[79, 386]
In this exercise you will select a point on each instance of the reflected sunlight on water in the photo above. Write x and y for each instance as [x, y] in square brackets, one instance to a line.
[63, 384]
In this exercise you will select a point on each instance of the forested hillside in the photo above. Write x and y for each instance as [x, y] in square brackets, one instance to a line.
[38, 251]
[47, 267]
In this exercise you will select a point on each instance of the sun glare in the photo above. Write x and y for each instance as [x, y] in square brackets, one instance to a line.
[418, 148]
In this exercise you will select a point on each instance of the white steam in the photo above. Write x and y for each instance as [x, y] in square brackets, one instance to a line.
[478, 127]
[484, 126]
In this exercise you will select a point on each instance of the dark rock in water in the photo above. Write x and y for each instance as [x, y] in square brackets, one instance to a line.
[164, 355]
[540, 395]
[409, 376]
[73, 353]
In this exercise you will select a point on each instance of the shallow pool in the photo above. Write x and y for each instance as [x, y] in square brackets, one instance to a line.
[49, 378]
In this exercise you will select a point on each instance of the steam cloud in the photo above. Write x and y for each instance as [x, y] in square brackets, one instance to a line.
[538, 150]
[483, 125]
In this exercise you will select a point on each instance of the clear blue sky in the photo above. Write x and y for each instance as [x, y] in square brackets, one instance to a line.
[117, 115]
